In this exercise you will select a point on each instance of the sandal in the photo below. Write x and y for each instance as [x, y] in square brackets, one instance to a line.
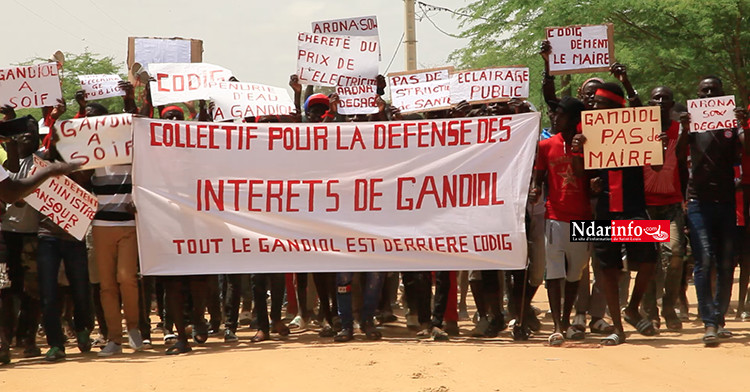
[724, 333]
[200, 337]
[574, 334]
[710, 338]
[344, 336]
[181, 347]
[601, 327]
[280, 328]
[259, 337]
[644, 326]
[613, 340]
[371, 332]
[557, 339]
[673, 323]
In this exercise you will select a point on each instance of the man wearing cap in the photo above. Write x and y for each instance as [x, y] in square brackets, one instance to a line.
[568, 199]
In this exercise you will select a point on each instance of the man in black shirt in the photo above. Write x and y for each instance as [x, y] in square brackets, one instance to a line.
[711, 212]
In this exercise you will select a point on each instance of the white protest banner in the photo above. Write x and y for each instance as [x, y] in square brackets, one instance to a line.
[580, 49]
[364, 26]
[30, 86]
[185, 81]
[426, 195]
[708, 114]
[357, 100]
[66, 203]
[96, 141]
[490, 85]
[622, 137]
[239, 100]
[100, 86]
[421, 91]
[337, 60]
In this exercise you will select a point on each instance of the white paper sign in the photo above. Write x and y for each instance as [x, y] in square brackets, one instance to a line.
[96, 141]
[708, 114]
[185, 81]
[363, 26]
[66, 203]
[234, 100]
[580, 48]
[337, 60]
[422, 91]
[161, 50]
[357, 100]
[100, 86]
[490, 85]
[425, 195]
[30, 86]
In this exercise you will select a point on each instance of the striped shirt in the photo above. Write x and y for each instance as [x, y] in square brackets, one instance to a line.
[113, 188]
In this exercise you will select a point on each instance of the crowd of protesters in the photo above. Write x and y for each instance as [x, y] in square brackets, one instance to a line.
[71, 288]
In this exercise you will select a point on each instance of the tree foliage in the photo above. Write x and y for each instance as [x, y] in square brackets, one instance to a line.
[664, 42]
[86, 63]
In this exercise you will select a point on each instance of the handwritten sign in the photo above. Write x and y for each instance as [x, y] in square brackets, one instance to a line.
[372, 196]
[336, 60]
[66, 203]
[580, 49]
[30, 86]
[622, 137]
[421, 91]
[100, 86]
[490, 85]
[364, 26]
[96, 141]
[357, 100]
[185, 81]
[708, 114]
[234, 100]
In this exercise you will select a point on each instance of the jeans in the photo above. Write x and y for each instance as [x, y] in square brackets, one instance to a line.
[52, 251]
[370, 292]
[260, 284]
[668, 277]
[712, 235]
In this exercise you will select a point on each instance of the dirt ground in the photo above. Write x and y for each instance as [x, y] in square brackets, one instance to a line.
[670, 361]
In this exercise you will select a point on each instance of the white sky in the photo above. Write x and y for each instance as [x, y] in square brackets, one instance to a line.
[255, 39]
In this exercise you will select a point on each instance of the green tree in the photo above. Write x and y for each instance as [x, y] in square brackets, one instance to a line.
[86, 63]
[664, 42]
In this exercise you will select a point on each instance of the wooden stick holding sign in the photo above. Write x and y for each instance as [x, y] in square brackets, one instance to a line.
[66, 203]
[580, 49]
[708, 114]
[622, 137]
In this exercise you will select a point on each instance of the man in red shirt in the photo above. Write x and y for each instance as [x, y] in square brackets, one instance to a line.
[664, 202]
[568, 199]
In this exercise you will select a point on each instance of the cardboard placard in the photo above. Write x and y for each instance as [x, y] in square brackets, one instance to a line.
[357, 100]
[423, 195]
[182, 82]
[708, 114]
[337, 60]
[147, 50]
[234, 100]
[66, 203]
[100, 86]
[30, 86]
[96, 141]
[490, 85]
[622, 137]
[421, 91]
[580, 48]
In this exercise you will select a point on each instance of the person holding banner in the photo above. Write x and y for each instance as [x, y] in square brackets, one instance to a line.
[373, 286]
[611, 186]
[567, 199]
[711, 210]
